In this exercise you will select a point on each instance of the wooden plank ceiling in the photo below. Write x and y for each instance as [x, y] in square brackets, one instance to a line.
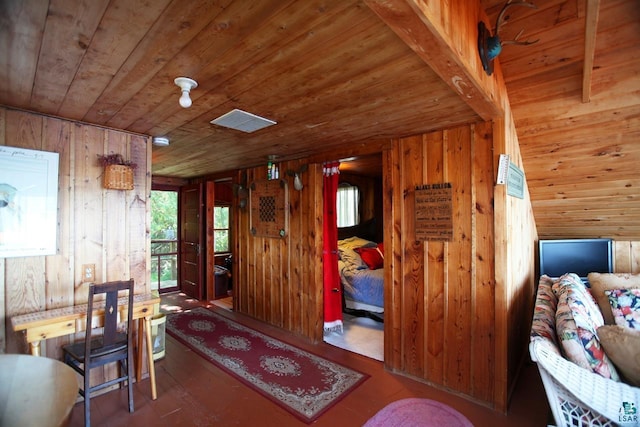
[333, 75]
[580, 157]
[330, 73]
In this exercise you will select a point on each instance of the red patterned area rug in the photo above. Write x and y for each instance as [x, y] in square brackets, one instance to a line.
[302, 383]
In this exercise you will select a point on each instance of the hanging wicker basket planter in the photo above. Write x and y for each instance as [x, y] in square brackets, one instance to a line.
[118, 177]
[118, 174]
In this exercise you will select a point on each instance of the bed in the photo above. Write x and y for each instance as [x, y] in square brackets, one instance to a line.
[360, 263]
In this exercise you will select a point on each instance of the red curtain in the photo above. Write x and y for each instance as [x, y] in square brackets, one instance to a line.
[331, 276]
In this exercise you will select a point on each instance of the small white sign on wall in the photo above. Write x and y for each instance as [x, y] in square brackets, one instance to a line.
[515, 181]
[28, 202]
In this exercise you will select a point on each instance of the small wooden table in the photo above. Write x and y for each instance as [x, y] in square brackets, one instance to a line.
[35, 391]
[57, 322]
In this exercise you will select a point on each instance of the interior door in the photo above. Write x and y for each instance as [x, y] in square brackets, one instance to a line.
[191, 241]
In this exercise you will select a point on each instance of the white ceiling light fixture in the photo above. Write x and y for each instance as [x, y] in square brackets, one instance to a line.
[242, 121]
[160, 141]
[185, 84]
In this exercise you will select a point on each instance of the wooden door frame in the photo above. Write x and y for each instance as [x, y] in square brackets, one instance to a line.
[200, 293]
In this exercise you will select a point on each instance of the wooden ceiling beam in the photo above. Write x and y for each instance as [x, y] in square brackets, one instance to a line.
[448, 46]
[591, 27]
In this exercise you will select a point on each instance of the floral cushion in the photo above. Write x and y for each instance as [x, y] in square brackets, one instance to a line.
[577, 320]
[601, 282]
[544, 313]
[625, 306]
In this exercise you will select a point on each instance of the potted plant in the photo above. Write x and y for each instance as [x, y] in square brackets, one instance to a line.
[118, 172]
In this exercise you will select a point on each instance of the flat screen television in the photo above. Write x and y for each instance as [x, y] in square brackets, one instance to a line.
[580, 256]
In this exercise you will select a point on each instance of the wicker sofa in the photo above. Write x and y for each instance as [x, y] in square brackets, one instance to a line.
[578, 396]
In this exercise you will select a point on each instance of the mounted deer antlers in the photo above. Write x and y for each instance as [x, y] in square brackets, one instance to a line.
[490, 46]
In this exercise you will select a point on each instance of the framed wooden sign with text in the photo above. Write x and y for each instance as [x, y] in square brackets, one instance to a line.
[434, 212]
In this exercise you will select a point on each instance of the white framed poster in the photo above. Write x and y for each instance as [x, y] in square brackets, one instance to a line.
[28, 202]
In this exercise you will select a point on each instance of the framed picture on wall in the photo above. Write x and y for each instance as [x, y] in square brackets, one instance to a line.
[28, 202]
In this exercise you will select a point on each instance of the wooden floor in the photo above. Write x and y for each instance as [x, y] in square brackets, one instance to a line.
[193, 392]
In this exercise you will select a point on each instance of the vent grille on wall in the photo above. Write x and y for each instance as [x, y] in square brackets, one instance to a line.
[243, 121]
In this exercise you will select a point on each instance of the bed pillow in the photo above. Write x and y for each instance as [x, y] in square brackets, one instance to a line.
[622, 346]
[601, 282]
[625, 306]
[372, 257]
[352, 259]
[577, 320]
[356, 242]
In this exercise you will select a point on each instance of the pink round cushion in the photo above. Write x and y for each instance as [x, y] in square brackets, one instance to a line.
[413, 412]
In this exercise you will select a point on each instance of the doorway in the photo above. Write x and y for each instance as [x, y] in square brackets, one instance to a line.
[360, 236]
[164, 240]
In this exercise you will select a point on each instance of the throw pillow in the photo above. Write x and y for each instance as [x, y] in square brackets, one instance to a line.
[577, 320]
[625, 306]
[372, 257]
[601, 282]
[544, 313]
[622, 345]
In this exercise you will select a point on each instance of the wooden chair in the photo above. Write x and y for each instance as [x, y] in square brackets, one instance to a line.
[111, 346]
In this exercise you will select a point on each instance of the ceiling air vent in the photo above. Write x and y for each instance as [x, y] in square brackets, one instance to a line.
[241, 120]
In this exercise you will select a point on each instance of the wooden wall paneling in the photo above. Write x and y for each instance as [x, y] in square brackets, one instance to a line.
[413, 308]
[393, 168]
[279, 274]
[458, 325]
[210, 259]
[622, 256]
[273, 286]
[58, 137]
[139, 211]
[115, 217]
[310, 250]
[515, 235]
[88, 213]
[635, 258]
[626, 256]
[59, 271]
[295, 268]
[90, 230]
[441, 315]
[254, 258]
[293, 254]
[483, 266]
[264, 252]
[25, 276]
[436, 297]
[240, 222]
[314, 290]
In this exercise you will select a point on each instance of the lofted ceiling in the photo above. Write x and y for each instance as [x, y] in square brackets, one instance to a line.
[578, 127]
[335, 77]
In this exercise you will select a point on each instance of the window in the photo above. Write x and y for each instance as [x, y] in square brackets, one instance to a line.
[221, 229]
[347, 202]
